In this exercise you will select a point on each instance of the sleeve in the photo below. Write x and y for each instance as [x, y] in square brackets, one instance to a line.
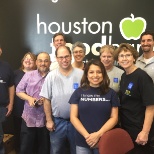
[75, 97]
[115, 102]
[146, 88]
[46, 90]
[21, 87]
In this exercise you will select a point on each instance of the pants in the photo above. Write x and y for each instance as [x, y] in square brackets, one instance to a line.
[28, 136]
[64, 133]
[17, 129]
[3, 111]
[85, 150]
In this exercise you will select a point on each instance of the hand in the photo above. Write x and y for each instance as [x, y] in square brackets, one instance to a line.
[9, 110]
[50, 126]
[40, 102]
[142, 138]
[31, 101]
[92, 139]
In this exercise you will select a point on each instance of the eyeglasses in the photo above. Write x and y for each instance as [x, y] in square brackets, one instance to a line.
[67, 57]
[80, 52]
[126, 56]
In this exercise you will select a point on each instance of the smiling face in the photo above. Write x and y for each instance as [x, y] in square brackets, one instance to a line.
[43, 63]
[64, 58]
[95, 76]
[147, 43]
[107, 59]
[78, 54]
[59, 41]
[126, 60]
[28, 63]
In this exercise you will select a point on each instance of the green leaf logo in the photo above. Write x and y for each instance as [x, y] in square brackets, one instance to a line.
[132, 28]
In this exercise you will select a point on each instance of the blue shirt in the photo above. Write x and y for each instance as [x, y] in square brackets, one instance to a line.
[94, 110]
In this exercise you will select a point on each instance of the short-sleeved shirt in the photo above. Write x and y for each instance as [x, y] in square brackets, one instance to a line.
[115, 77]
[136, 92]
[94, 109]
[59, 88]
[31, 84]
[6, 81]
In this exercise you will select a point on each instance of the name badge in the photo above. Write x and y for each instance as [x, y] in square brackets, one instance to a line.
[75, 85]
[130, 85]
[115, 80]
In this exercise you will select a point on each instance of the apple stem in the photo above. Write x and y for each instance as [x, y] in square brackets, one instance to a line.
[132, 15]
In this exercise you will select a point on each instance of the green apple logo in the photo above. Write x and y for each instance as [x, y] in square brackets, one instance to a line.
[131, 28]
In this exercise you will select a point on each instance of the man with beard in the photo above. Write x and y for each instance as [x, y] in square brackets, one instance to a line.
[33, 123]
[146, 60]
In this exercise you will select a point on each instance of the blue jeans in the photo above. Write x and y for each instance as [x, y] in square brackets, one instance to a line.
[59, 138]
[85, 150]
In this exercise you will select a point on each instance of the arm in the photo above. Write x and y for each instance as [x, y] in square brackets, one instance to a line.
[26, 97]
[142, 137]
[47, 109]
[76, 122]
[93, 138]
[11, 98]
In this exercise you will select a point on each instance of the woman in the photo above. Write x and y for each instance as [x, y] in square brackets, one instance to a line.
[79, 51]
[94, 108]
[114, 73]
[137, 99]
[27, 64]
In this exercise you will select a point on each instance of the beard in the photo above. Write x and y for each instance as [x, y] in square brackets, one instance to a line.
[145, 49]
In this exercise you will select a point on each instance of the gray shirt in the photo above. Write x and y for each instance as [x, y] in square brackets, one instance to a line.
[148, 68]
[115, 76]
[59, 88]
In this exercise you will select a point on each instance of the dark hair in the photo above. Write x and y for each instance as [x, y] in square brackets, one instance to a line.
[67, 48]
[147, 33]
[126, 47]
[32, 56]
[57, 34]
[104, 85]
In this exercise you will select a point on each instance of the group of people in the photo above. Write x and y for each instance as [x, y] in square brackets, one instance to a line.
[64, 107]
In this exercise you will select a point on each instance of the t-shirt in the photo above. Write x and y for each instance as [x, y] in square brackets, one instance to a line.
[136, 92]
[6, 81]
[59, 88]
[94, 109]
[115, 76]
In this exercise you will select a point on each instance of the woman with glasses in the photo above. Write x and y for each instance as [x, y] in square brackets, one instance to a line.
[137, 100]
[79, 51]
[114, 73]
[27, 64]
[94, 108]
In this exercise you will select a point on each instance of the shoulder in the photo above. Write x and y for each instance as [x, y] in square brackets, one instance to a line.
[118, 69]
[77, 71]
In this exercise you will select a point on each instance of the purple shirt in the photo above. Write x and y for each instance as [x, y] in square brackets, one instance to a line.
[31, 84]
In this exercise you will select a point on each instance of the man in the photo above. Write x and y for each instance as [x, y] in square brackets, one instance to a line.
[33, 124]
[58, 40]
[57, 89]
[6, 95]
[146, 60]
